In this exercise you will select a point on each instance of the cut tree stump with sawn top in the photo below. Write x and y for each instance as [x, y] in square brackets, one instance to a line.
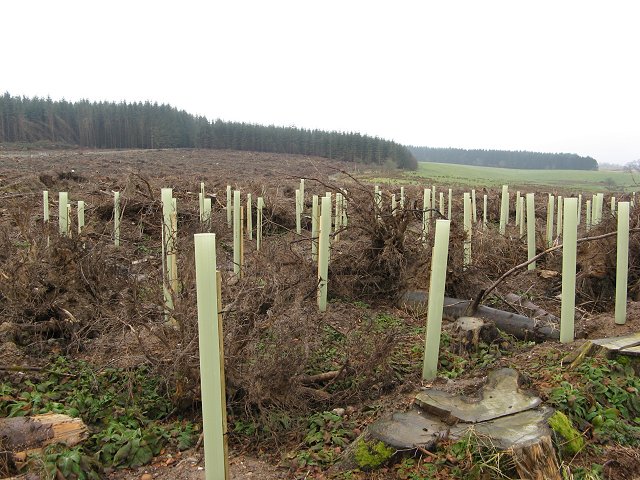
[502, 417]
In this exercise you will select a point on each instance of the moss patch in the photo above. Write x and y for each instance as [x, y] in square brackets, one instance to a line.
[571, 439]
[370, 455]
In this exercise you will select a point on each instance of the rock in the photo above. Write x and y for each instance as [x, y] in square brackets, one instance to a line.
[146, 476]
[501, 396]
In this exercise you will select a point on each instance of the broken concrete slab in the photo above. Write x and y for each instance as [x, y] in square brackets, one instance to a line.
[500, 397]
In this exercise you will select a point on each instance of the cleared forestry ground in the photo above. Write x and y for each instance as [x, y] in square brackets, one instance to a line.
[83, 331]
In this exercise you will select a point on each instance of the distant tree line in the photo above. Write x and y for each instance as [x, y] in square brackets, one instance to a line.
[505, 159]
[149, 125]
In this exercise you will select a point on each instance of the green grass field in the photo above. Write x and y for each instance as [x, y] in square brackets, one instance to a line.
[583, 180]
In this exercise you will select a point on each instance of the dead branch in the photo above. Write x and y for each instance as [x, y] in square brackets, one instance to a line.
[473, 307]
[318, 378]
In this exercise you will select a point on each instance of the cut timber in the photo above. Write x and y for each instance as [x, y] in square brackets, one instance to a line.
[471, 330]
[525, 435]
[500, 397]
[536, 312]
[29, 434]
[413, 428]
[628, 345]
[618, 344]
[519, 326]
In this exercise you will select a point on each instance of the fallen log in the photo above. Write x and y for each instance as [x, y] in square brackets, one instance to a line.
[536, 312]
[524, 328]
[25, 435]
[484, 293]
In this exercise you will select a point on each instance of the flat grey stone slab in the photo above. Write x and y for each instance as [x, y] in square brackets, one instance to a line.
[500, 397]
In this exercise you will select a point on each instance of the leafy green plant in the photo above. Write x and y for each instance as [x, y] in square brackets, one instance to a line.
[245, 428]
[412, 469]
[61, 462]
[384, 321]
[582, 473]
[326, 435]
[125, 408]
[120, 446]
[602, 396]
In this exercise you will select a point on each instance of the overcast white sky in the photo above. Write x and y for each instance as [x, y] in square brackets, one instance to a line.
[559, 76]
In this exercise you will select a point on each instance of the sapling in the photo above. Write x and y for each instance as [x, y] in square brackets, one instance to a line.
[467, 230]
[323, 252]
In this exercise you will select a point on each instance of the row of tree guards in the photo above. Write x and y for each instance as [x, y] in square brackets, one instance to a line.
[326, 218]
[329, 216]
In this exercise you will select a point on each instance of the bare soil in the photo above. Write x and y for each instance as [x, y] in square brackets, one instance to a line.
[189, 465]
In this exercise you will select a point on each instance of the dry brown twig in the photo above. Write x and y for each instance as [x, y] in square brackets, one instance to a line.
[473, 306]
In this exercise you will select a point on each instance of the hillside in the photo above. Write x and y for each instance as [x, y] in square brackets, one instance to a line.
[504, 158]
[149, 125]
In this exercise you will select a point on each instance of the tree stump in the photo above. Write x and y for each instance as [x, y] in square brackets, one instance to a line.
[537, 461]
[470, 331]
[513, 421]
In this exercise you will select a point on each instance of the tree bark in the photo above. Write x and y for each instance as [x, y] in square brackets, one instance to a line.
[30, 434]
[537, 461]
